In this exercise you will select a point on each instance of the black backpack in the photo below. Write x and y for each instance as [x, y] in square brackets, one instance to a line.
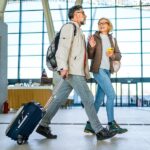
[50, 56]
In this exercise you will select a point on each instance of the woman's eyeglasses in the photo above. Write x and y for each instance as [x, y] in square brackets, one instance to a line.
[103, 23]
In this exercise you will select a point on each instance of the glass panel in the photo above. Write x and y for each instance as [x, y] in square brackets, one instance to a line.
[57, 26]
[146, 58]
[88, 21]
[146, 47]
[11, 17]
[13, 27]
[133, 95]
[146, 34]
[128, 23]
[32, 27]
[129, 47]
[139, 95]
[59, 15]
[127, 2]
[99, 3]
[145, 11]
[30, 73]
[127, 59]
[31, 38]
[13, 38]
[49, 73]
[32, 16]
[12, 50]
[146, 22]
[12, 62]
[146, 71]
[126, 35]
[12, 6]
[145, 2]
[45, 48]
[146, 93]
[129, 71]
[128, 12]
[32, 5]
[146, 65]
[31, 61]
[118, 94]
[46, 40]
[56, 4]
[70, 3]
[31, 50]
[12, 73]
[104, 12]
[125, 94]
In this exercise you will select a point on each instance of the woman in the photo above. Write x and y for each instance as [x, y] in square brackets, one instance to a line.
[103, 50]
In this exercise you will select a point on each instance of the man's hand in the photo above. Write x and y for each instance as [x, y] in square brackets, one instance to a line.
[64, 73]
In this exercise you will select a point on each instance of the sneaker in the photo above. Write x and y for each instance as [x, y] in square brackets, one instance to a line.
[114, 127]
[104, 134]
[45, 131]
[88, 128]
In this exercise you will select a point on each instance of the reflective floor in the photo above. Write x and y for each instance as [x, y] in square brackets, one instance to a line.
[69, 124]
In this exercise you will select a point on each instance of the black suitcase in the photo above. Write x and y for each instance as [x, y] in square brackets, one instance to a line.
[27, 118]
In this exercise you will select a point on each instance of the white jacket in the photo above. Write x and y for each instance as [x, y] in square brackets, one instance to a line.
[71, 51]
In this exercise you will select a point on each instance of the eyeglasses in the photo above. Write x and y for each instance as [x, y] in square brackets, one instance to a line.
[102, 23]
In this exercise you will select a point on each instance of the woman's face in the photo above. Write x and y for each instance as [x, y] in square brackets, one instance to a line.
[103, 26]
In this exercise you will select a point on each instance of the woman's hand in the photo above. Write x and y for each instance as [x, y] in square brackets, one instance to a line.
[109, 52]
[92, 41]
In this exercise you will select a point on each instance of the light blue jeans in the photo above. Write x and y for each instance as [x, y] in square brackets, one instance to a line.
[78, 83]
[105, 88]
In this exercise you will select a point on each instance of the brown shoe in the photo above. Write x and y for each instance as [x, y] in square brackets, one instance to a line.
[46, 132]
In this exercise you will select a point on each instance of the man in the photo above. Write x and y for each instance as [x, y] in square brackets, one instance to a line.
[73, 64]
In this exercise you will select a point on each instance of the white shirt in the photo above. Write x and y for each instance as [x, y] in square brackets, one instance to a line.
[105, 64]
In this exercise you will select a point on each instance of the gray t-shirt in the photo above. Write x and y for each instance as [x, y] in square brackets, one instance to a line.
[105, 64]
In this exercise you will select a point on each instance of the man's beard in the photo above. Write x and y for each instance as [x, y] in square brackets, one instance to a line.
[82, 22]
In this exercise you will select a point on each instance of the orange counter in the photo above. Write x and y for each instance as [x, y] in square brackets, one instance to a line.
[18, 96]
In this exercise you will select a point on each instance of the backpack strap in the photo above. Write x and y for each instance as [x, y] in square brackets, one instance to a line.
[75, 28]
[114, 39]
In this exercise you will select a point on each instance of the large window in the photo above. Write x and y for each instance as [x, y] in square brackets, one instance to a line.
[28, 38]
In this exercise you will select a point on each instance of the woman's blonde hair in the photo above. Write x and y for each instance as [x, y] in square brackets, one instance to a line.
[109, 23]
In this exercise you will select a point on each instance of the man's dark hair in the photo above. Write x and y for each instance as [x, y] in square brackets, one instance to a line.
[72, 10]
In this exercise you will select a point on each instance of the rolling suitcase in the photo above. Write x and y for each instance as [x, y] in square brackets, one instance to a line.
[27, 118]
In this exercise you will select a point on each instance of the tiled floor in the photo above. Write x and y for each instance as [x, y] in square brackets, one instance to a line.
[69, 124]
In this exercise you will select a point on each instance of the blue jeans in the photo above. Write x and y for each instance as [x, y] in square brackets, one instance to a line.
[105, 88]
[78, 83]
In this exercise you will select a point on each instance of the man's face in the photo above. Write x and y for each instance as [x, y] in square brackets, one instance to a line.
[81, 17]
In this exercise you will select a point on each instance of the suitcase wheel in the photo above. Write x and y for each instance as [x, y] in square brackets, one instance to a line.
[21, 140]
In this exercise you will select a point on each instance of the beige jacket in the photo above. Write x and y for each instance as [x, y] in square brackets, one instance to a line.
[71, 51]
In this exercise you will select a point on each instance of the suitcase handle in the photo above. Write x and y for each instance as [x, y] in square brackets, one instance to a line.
[56, 88]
